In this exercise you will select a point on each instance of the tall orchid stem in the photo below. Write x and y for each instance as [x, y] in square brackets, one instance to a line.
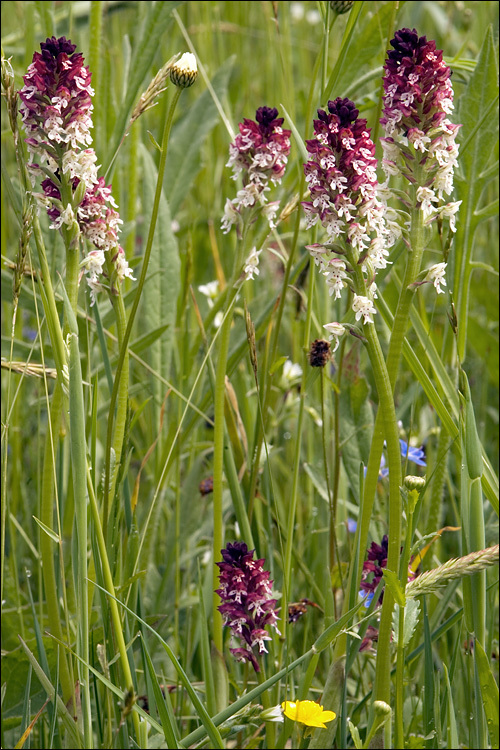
[113, 606]
[401, 318]
[414, 260]
[385, 428]
[124, 346]
[122, 394]
[403, 577]
[219, 430]
[292, 507]
[390, 430]
[219, 399]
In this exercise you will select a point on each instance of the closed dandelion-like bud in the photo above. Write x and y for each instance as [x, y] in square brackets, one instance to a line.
[319, 353]
[341, 6]
[414, 483]
[184, 72]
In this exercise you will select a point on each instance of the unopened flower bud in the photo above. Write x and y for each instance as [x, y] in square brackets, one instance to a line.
[381, 708]
[206, 486]
[184, 72]
[341, 6]
[319, 353]
[414, 483]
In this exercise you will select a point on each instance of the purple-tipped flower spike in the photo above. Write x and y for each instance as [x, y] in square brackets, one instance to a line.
[247, 604]
[56, 99]
[344, 197]
[418, 97]
[260, 154]
[56, 110]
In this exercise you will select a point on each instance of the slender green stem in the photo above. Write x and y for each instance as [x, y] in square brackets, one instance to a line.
[46, 543]
[48, 478]
[108, 580]
[292, 507]
[78, 461]
[390, 428]
[219, 399]
[412, 498]
[414, 260]
[400, 665]
[122, 396]
[147, 254]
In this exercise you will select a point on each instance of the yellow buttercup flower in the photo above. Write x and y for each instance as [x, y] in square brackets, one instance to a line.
[307, 712]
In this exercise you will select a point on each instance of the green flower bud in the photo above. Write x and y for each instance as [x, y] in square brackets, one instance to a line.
[414, 483]
[340, 7]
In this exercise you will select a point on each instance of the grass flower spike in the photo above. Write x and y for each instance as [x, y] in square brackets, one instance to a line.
[307, 712]
[247, 603]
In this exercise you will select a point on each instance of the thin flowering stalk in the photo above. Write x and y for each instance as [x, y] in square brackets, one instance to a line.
[344, 200]
[123, 355]
[292, 506]
[259, 155]
[47, 483]
[56, 110]
[418, 96]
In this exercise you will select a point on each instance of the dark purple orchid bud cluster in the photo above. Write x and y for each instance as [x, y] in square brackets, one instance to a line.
[56, 110]
[56, 100]
[344, 200]
[247, 604]
[373, 570]
[418, 97]
[260, 154]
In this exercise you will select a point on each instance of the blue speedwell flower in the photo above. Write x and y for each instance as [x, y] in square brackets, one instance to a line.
[416, 455]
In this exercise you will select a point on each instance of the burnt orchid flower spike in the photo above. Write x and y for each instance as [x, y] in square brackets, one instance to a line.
[259, 154]
[56, 108]
[247, 604]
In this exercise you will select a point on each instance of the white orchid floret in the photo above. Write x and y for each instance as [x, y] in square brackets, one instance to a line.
[335, 330]
[335, 275]
[448, 211]
[210, 290]
[251, 268]
[93, 263]
[81, 164]
[66, 217]
[363, 306]
[435, 274]
[418, 139]
[270, 210]
[291, 373]
[230, 216]
[426, 197]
